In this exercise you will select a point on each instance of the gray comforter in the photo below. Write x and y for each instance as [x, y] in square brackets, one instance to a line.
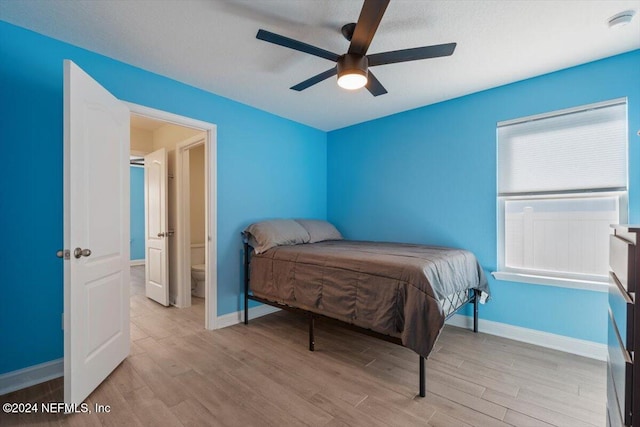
[391, 288]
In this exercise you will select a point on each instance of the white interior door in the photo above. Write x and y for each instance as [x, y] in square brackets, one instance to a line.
[96, 232]
[156, 227]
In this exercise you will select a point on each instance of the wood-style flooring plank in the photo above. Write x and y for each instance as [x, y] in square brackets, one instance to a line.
[164, 386]
[540, 412]
[390, 414]
[472, 376]
[150, 410]
[518, 419]
[439, 419]
[463, 413]
[225, 401]
[285, 399]
[344, 413]
[120, 412]
[192, 413]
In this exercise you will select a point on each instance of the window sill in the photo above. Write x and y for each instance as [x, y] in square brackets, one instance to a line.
[587, 285]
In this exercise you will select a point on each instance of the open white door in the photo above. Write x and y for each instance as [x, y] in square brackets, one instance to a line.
[96, 233]
[156, 227]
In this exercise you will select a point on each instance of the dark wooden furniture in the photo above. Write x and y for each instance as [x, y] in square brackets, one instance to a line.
[473, 297]
[623, 378]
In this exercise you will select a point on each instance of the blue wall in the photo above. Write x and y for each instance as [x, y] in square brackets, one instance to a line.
[429, 175]
[267, 167]
[137, 213]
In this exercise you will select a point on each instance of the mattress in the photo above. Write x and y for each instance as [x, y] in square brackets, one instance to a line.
[401, 290]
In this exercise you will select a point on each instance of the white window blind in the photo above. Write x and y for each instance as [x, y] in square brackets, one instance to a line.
[583, 150]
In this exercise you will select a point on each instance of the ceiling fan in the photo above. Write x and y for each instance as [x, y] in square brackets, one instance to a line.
[352, 68]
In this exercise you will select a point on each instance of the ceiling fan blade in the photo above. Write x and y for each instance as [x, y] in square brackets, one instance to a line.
[413, 54]
[374, 86]
[370, 17]
[296, 45]
[315, 79]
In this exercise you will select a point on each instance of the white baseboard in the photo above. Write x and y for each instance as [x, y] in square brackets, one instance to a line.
[134, 262]
[577, 346]
[32, 375]
[238, 316]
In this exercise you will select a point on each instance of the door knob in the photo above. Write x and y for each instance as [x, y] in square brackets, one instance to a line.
[161, 234]
[78, 252]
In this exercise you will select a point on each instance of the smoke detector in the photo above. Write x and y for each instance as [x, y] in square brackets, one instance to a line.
[621, 19]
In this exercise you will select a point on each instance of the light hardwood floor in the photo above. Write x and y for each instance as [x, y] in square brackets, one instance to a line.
[179, 374]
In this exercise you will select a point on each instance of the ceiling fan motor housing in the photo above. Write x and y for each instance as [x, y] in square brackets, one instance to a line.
[352, 63]
[347, 30]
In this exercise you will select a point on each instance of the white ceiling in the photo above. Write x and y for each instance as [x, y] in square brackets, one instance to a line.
[211, 44]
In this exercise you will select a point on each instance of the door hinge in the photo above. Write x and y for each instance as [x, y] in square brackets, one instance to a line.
[64, 253]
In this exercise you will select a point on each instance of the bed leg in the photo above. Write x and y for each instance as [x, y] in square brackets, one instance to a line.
[246, 283]
[246, 310]
[476, 298]
[312, 342]
[422, 378]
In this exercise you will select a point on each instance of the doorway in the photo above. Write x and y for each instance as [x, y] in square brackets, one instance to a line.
[190, 229]
[190, 215]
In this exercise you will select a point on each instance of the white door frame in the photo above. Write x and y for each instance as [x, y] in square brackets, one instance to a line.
[211, 213]
[183, 218]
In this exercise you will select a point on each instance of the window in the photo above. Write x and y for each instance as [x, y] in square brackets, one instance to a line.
[562, 181]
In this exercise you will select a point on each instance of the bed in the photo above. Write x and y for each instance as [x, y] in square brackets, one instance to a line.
[402, 293]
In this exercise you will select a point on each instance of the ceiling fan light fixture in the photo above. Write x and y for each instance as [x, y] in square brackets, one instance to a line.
[352, 71]
[352, 81]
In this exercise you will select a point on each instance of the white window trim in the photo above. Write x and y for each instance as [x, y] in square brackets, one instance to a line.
[603, 104]
[587, 285]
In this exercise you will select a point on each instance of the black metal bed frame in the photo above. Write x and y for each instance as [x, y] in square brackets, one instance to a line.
[474, 296]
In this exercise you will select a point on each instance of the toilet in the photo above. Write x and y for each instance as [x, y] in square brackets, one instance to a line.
[198, 275]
